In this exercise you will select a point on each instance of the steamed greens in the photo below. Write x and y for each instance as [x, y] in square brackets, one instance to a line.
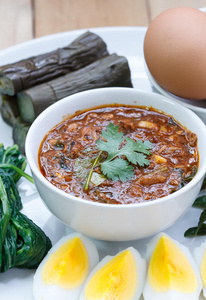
[22, 243]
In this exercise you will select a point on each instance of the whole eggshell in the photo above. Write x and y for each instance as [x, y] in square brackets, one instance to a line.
[175, 51]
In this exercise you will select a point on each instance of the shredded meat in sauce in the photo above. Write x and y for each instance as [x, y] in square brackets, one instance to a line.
[67, 150]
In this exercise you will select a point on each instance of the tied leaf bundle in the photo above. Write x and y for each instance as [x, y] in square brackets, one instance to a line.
[22, 243]
[117, 165]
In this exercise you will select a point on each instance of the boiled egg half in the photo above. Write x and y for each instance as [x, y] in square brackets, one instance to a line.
[116, 277]
[200, 257]
[172, 271]
[65, 268]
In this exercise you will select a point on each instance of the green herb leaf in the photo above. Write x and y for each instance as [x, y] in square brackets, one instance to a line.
[131, 149]
[113, 140]
[200, 202]
[193, 232]
[135, 152]
[201, 220]
[117, 169]
[200, 229]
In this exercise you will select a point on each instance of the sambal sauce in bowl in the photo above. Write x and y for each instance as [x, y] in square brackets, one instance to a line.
[68, 152]
[117, 164]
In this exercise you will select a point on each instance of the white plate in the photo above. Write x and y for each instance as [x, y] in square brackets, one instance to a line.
[128, 41]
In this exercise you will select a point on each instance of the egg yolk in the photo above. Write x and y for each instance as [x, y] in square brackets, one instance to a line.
[117, 279]
[169, 269]
[203, 269]
[68, 266]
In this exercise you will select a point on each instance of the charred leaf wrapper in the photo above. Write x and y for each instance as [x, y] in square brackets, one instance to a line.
[35, 70]
[112, 70]
[9, 109]
[22, 243]
[11, 115]
[29, 86]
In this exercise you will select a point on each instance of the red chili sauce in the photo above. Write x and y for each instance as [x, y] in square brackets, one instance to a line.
[68, 150]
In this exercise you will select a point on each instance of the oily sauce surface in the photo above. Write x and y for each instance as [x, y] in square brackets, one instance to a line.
[67, 151]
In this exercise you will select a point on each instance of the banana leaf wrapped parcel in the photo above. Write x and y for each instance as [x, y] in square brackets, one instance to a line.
[23, 74]
[110, 71]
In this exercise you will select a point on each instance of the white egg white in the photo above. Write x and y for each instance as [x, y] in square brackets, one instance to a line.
[140, 268]
[41, 291]
[198, 255]
[149, 293]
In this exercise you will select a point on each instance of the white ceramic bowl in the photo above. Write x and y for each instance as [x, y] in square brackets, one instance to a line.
[106, 221]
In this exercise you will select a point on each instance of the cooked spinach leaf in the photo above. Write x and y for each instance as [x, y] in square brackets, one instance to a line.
[22, 243]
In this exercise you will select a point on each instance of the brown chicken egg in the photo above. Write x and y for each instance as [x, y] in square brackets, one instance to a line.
[175, 51]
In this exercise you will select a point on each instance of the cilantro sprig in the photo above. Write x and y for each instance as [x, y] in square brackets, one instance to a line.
[118, 164]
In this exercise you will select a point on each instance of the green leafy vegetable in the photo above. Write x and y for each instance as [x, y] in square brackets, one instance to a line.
[202, 219]
[200, 229]
[115, 167]
[200, 202]
[192, 232]
[22, 243]
[11, 160]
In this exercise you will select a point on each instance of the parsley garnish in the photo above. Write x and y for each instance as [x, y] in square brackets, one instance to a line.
[117, 165]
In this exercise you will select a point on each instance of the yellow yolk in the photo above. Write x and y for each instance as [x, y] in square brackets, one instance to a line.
[169, 269]
[117, 279]
[68, 266]
[203, 269]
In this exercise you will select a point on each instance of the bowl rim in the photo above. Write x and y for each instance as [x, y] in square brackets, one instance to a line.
[35, 169]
